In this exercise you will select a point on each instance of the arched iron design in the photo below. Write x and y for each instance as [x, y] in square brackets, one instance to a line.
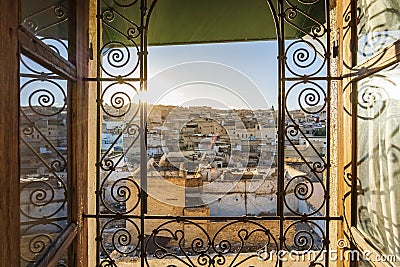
[126, 229]
[204, 249]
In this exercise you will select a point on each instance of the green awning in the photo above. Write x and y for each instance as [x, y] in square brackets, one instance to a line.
[210, 21]
[179, 21]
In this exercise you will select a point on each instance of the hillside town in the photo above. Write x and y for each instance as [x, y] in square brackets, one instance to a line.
[201, 161]
[219, 147]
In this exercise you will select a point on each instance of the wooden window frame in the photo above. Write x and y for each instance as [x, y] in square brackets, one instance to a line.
[9, 135]
[16, 41]
[351, 73]
[385, 58]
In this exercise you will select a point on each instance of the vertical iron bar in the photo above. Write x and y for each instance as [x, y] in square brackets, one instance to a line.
[71, 52]
[71, 93]
[143, 115]
[354, 136]
[328, 129]
[354, 97]
[281, 124]
[144, 88]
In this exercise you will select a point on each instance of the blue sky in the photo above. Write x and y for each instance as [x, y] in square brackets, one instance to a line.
[235, 75]
[246, 71]
[226, 75]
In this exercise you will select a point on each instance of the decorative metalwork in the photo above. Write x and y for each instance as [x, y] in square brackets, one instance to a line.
[370, 28]
[44, 148]
[367, 34]
[308, 60]
[58, 10]
[205, 250]
[127, 231]
[305, 241]
[303, 57]
[377, 27]
[49, 22]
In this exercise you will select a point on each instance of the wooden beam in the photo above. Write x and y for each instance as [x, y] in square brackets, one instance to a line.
[90, 205]
[388, 56]
[36, 50]
[9, 134]
[79, 125]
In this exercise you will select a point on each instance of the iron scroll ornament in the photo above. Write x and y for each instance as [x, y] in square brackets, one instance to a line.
[307, 68]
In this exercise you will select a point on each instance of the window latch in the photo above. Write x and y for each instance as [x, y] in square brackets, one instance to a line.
[335, 49]
[90, 51]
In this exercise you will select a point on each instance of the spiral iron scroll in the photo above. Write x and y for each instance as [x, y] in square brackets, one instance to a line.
[119, 102]
[120, 58]
[53, 30]
[312, 99]
[306, 56]
[306, 59]
[309, 236]
[124, 228]
[43, 180]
